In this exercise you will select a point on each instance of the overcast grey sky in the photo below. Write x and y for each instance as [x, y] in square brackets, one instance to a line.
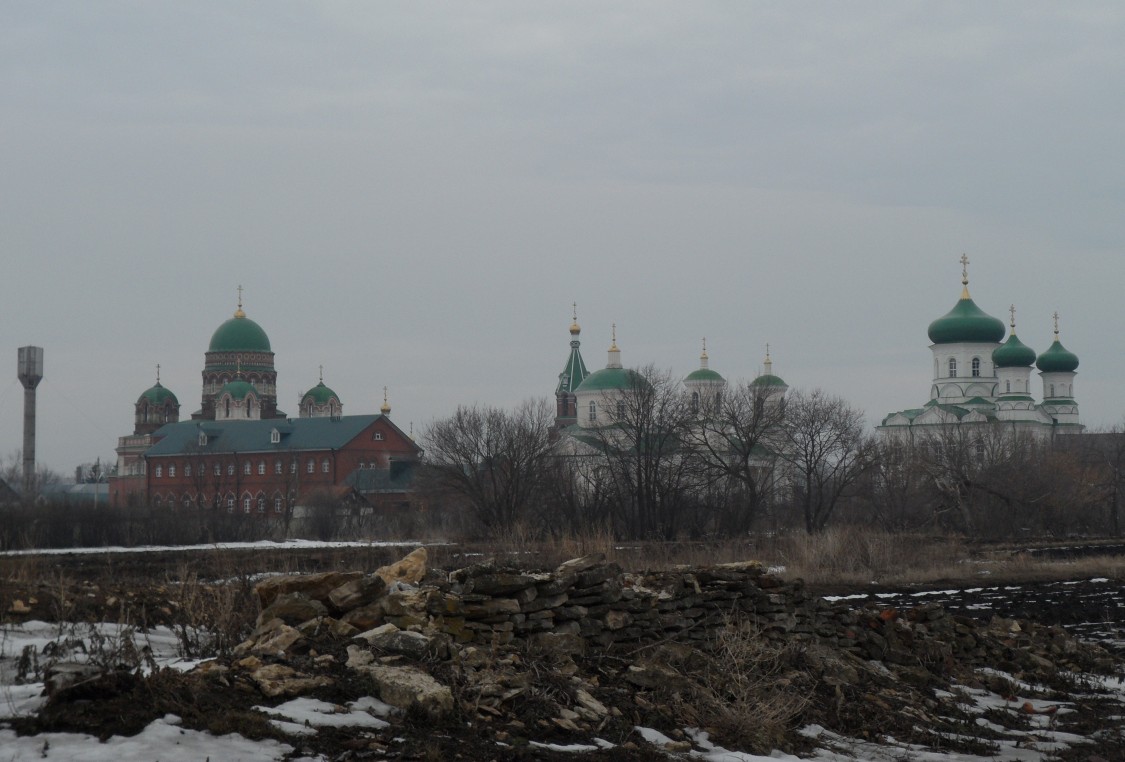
[412, 194]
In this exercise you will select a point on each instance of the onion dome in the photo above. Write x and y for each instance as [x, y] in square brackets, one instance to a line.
[385, 408]
[239, 334]
[1057, 358]
[319, 395]
[575, 329]
[767, 378]
[966, 322]
[158, 395]
[1013, 353]
[238, 389]
[704, 373]
[613, 376]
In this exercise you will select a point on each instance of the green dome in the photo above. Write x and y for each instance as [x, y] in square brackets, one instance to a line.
[158, 395]
[239, 334]
[704, 374]
[1013, 354]
[768, 380]
[966, 322]
[609, 379]
[1057, 359]
[319, 394]
[238, 389]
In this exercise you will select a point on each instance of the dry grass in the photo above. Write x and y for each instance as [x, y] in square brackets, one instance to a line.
[744, 687]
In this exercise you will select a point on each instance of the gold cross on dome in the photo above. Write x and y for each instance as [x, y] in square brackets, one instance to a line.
[965, 269]
[1012, 310]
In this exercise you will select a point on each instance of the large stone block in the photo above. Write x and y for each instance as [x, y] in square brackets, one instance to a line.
[314, 586]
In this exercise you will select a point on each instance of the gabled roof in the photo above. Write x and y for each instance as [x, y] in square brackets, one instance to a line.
[254, 436]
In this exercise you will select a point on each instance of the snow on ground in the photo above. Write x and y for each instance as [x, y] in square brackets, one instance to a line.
[302, 716]
[164, 739]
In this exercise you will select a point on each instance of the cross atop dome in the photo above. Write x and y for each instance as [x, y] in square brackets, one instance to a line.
[964, 276]
[239, 313]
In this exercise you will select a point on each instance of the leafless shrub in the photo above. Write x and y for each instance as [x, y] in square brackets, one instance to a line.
[745, 688]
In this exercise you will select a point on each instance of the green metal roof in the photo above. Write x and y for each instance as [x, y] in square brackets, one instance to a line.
[238, 389]
[574, 373]
[239, 334]
[966, 322]
[320, 394]
[1013, 354]
[158, 394]
[609, 379]
[703, 374]
[1057, 359]
[254, 436]
[768, 379]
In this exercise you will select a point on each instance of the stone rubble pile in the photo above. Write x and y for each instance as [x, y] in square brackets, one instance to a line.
[431, 642]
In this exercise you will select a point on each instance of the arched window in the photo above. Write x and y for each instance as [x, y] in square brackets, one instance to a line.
[976, 367]
[228, 407]
[277, 467]
[593, 411]
[261, 467]
[324, 465]
[261, 504]
[187, 469]
[311, 466]
[217, 470]
[695, 402]
[1052, 394]
[172, 471]
[953, 367]
[620, 410]
[1007, 386]
[246, 504]
[230, 503]
[293, 466]
[277, 505]
[230, 469]
[246, 468]
[159, 471]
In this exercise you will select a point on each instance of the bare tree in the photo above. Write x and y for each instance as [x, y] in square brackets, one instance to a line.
[826, 450]
[736, 441]
[493, 458]
[644, 471]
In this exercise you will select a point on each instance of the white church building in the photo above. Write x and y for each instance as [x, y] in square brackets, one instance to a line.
[979, 378]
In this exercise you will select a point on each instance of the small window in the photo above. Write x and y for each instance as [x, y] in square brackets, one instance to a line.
[261, 468]
[246, 468]
[1052, 394]
[172, 471]
[187, 469]
[620, 410]
[218, 469]
[261, 505]
[277, 505]
[952, 367]
[277, 467]
[324, 465]
[695, 402]
[976, 367]
[230, 469]
[378, 436]
[187, 501]
[293, 467]
[246, 504]
[202, 439]
[275, 436]
[159, 471]
[593, 411]
[311, 466]
[230, 503]
[1007, 386]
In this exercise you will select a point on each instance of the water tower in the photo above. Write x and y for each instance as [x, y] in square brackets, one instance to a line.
[30, 374]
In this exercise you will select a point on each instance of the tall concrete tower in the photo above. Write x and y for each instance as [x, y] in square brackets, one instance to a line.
[30, 374]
